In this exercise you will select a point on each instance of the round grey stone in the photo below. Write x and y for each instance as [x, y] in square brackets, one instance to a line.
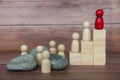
[58, 62]
[23, 62]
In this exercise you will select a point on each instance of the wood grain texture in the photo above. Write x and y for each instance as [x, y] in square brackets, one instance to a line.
[11, 38]
[36, 12]
[109, 72]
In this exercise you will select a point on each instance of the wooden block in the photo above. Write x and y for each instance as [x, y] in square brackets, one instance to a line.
[86, 46]
[99, 43]
[99, 56]
[87, 52]
[99, 35]
[87, 58]
[75, 58]
[99, 53]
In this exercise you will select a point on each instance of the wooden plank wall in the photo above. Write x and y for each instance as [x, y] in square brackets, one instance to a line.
[35, 22]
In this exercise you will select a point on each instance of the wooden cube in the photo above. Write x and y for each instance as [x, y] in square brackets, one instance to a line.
[86, 46]
[99, 43]
[87, 52]
[87, 59]
[99, 35]
[75, 58]
[99, 53]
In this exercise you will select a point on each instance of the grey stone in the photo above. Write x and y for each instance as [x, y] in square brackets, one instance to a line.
[23, 62]
[58, 62]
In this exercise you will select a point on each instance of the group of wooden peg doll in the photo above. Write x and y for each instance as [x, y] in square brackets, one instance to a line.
[43, 55]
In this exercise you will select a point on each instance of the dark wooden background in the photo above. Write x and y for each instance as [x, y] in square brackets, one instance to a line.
[36, 22]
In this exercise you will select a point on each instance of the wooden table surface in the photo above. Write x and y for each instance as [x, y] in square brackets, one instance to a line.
[109, 72]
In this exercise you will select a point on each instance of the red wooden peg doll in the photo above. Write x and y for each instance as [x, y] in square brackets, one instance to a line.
[99, 23]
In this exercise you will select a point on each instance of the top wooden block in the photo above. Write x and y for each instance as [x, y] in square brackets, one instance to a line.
[99, 35]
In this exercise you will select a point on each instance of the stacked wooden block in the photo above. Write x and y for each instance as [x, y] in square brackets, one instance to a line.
[99, 38]
[87, 52]
[93, 51]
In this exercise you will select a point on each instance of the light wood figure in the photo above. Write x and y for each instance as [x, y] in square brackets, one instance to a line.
[24, 49]
[53, 50]
[52, 45]
[86, 36]
[39, 50]
[46, 64]
[99, 37]
[61, 49]
[75, 46]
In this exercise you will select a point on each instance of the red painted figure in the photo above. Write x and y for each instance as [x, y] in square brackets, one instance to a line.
[99, 23]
